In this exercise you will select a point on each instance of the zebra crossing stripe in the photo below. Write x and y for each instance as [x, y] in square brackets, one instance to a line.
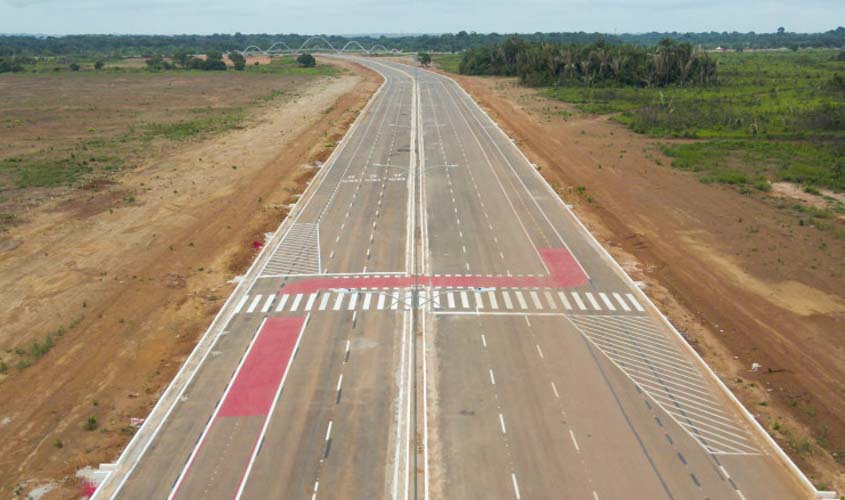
[450, 299]
[282, 301]
[324, 301]
[380, 303]
[593, 302]
[492, 296]
[409, 299]
[296, 300]
[338, 302]
[241, 304]
[436, 298]
[267, 303]
[621, 301]
[607, 301]
[367, 297]
[395, 302]
[352, 301]
[578, 301]
[550, 300]
[634, 301]
[507, 298]
[535, 299]
[310, 303]
[478, 302]
[521, 300]
[464, 300]
[254, 303]
[564, 301]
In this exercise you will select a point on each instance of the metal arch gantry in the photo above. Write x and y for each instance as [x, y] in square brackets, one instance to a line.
[350, 46]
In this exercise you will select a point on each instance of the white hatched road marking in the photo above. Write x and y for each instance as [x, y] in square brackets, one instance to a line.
[578, 301]
[492, 298]
[507, 298]
[521, 300]
[268, 303]
[607, 301]
[633, 300]
[593, 302]
[296, 300]
[254, 303]
[282, 301]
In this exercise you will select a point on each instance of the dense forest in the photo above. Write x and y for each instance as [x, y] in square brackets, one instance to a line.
[542, 63]
[135, 45]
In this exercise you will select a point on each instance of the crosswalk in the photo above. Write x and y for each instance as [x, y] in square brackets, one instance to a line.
[438, 299]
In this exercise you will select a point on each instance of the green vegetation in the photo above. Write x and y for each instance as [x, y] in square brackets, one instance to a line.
[771, 116]
[218, 120]
[126, 45]
[306, 60]
[596, 64]
[91, 423]
[448, 62]
[424, 58]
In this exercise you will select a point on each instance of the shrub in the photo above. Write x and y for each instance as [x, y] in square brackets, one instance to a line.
[306, 60]
[91, 423]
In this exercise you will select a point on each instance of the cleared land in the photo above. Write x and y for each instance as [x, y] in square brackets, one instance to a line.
[152, 191]
[749, 275]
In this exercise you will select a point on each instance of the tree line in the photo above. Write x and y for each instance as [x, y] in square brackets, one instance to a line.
[145, 45]
[599, 63]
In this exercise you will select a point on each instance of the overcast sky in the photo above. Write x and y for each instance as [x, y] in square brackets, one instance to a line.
[414, 16]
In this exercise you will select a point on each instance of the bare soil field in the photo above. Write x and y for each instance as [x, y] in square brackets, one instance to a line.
[110, 277]
[743, 279]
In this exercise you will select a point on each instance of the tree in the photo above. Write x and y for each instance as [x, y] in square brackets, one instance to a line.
[238, 60]
[424, 58]
[183, 58]
[214, 61]
[74, 67]
[781, 30]
[99, 65]
[306, 60]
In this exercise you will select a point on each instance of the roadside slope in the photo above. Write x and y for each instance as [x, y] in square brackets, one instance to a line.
[739, 278]
[133, 287]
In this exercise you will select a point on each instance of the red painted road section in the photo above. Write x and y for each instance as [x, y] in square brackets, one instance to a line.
[565, 271]
[258, 380]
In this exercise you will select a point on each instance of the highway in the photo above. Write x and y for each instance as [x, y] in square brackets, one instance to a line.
[431, 321]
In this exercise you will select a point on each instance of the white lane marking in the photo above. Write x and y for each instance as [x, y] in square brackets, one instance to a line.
[574, 441]
[502, 423]
[593, 301]
[329, 431]
[492, 378]
[380, 303]
[491, 296]
[241, 304]
[337, 302]
[367, 298]
[436, 298]
[554, 388]
[484, 340]
[595, 495]
[324, 301]
[634, 301]
[564, 301]
[607, 301]
[296, 300]
[550, 300]
[450, 300]
[535, 299]
[521, 300]
[353, 301]
[310, 302]
[339, 382]
[540, 351]
[527, 321]
[578, 301]
[282, 301]
[479, 304]
[464, 300]
[409, 299]
[395, 303]
[515, 486]
[254, 303]
[268, 303]
[506, 296]
[316, 487]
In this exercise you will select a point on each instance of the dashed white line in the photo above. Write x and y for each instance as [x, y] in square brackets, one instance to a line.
[574, 441]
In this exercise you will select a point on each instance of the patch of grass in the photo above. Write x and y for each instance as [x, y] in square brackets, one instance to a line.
[447, 62]
[218, 121]
[91, 423]
[287, 65]
[758, 162]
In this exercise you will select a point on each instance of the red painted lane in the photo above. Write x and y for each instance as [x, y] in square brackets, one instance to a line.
[565, 272]
[258, 380]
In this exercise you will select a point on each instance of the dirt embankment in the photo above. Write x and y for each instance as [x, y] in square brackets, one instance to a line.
[126, 287]
[743, 280]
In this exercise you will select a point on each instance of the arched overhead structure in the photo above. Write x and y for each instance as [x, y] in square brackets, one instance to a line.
[319, 44]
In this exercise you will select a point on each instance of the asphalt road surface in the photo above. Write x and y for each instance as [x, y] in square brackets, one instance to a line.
[433, 322]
